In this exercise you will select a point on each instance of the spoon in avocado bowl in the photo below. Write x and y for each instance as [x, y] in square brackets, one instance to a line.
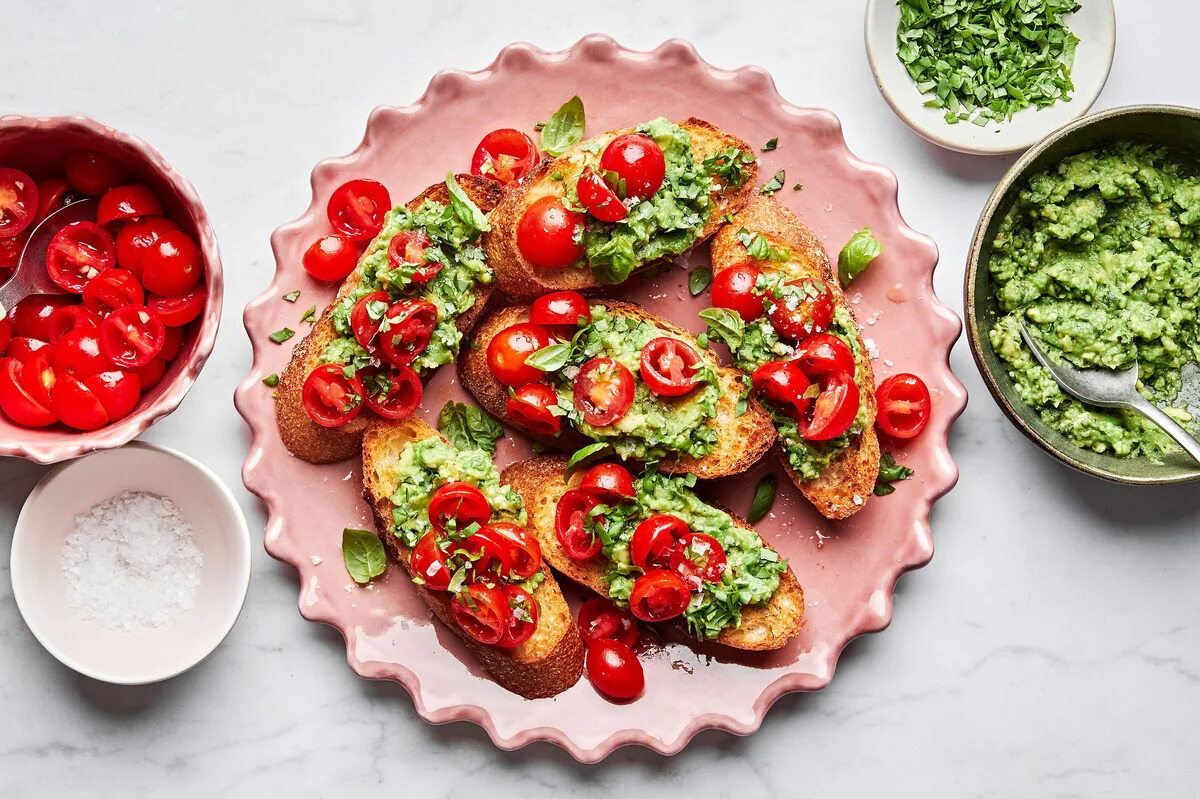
[1109, 388]
[30, 276]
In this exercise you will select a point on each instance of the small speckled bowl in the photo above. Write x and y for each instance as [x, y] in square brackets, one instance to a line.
[38, 145]
[1172, 126]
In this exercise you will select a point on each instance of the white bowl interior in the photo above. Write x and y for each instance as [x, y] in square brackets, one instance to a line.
[41, 592]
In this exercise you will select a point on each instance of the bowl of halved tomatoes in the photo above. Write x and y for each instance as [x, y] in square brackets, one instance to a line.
[110, 287]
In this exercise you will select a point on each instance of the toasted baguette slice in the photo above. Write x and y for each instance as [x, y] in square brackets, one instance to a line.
[551, 661]
[743, 439]
[301, 435]
[522, 280]
[540, 483]
[844, 487]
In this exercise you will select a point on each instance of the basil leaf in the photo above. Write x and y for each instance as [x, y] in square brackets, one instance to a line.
[699, 279]
[466, 211]
[468, 427]
[363, 554]
[890, 472]
[856, 255]
[771, 144]
[776, 183]
[764, 498]
[725, 325]
[565, 129]
[550, 358]
[292, 296]
[280, 336]
[310, 314]
[271, 380]
[583, 453]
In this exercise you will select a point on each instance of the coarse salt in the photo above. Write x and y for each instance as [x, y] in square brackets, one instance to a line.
[131, 563]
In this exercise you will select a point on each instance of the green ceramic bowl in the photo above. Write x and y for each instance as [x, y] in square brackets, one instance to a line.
[1173, 126]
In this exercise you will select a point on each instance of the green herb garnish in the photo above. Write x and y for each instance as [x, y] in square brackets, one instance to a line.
[310, 314]
[467, 427]
[565, 129]
[292, 296]
[771, 144]
[775, 184]
[280, 336]
[890, 472]
[550, 358]
[363, 554]
[271, 380]
[857, 254]
[583, 453]
[764, 498]
[699, 279]
[725, 325]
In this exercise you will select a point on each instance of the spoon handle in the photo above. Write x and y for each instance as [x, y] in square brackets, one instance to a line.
[1169, 426]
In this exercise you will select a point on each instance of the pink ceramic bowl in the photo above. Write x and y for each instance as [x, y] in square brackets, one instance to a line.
[38, 145]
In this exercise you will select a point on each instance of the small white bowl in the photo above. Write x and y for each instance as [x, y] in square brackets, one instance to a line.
[1094, 23]
[116, 656]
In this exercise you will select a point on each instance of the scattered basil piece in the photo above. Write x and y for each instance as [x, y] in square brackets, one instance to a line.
[583, 453]
[310, 314]
[725, 325]
[565, 129]
[857, 254]
[363, 554]
[467, 212]
[550, 358]
[890, 472]
[702, 340]
[699, 279]
[758, 248]
[771, 144]
[280, 336]
[798, 187]
[776, 183]
[764, 498]
[271, 380]
[292, 296]
[468, 427]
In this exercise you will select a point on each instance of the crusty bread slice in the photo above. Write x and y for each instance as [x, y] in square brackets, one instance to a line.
[303, 437]
[540, 483]
[522, 280]
[548, 663]
[844, 487]
[743, 439]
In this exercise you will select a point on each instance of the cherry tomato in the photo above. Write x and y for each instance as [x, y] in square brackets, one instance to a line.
[172, 344]
[10, 253]
[409, 329]
[429, 562]
[366, 316]
[522, 616]
[798, 317]
[408, 247]
[21, 348]
[179, 310]
[659, 595]
[76, 405]
[525, 553]
[132, 336]
[599, 200]
[357, 209]
[18, 202]
[461, 502]
[504, 155]
[91, 172]
[172, 265]
[638, 160]
[571, 522]
[110, 290]
[560, 312]
[655, 539]
[68, 318]
[330, 258]
[833, 410]
[824, 354]
[394, 393]
[734, 288]
[529, 406]
[904, 405]
[509, 349]
[603, 391]
[601, 620]
[23, 396]
[5, 333]
[490, 553]
[699, 559]
[482, 612]
[669, 366]
[150, 374]
[546, 233]
[136, 239]
[615, 670]
[78, 352]
[31, 314]
[117, 390]
[77, 253]
[608, 482]
[331, 398]
[784, 385]
[52, 192]
[128, 204]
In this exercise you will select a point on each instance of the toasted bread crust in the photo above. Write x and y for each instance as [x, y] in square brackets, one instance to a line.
[549, 662]
[844, 487]
[520, 279]
[301, 435]
[743, 439]
[540, 483]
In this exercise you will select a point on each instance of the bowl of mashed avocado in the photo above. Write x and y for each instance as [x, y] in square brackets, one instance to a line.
[1093, 237]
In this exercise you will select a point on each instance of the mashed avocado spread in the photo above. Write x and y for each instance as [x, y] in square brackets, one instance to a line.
[1101, 254]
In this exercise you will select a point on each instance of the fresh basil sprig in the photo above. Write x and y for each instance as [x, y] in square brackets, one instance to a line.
[363, 554]
[725, 325]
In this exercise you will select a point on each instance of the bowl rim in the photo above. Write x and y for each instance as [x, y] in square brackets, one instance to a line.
[970, 279]
[41, 449]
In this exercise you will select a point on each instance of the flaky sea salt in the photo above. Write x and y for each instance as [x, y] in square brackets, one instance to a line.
[131, 563]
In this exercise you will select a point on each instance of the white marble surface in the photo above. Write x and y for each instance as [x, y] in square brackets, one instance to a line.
[1051, 648]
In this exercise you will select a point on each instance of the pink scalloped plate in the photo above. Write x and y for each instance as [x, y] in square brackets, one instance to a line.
[848, 569]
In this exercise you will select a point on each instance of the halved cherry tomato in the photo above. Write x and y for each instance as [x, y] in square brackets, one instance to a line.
[655, 539]
[5, 333]
[638, 160]
[529, 406]
[904, 405]
[75, 404]
[603, 391]
[331, 257]
[177, 311]
[172, 343]
[408, 247]
[117, 390]
[599, 200]
[798, 316]
[150, 374]
[509, 349]
[615, 670]
[561, 312]
[407, 330]
[366, 316]
[461, 502]
[331, 398]
[522, 616]
[21, 348]
[68, 318]
[110, 290]
[172, 264]
[659, 595]
[77, 253]
[78, 352]
[669, 366]
[482, 612]
[833, 410]
[51, 195]
[504, 155]
[429, 562]
[357, 208]
[699, 559]
[784, 385]
[734, 288]
[393, 393]
[525, 553]
[490, 553]
[128, 204]
[31, 314]
[571, 522]
[132, 336]
[18, 202]
[10, 252]
[91, 172]
[23, 396]
[824, 354]
[608, 482]
[136, 239]
[601, 620]
[546, 233]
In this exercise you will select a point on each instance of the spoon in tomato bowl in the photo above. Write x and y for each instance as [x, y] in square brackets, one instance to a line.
[31, 276]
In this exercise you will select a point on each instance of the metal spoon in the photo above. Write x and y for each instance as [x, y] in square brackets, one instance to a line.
[30, 276]
[1109, 388]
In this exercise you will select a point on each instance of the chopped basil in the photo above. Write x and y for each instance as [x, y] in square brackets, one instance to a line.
[776, 183]
[467, 212]
[857, 254]
[699, 279]
[310, 314]
[730, 164]
[758, 248]
[271, 380]
[583, 453]
[557, 175]
[363, 554]
[764, 497]
[292, 296]
[771, 144]
[798, 187]
[565, 129]
[550, 358]
[890, 472]
[468, 427]
[280, 336]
